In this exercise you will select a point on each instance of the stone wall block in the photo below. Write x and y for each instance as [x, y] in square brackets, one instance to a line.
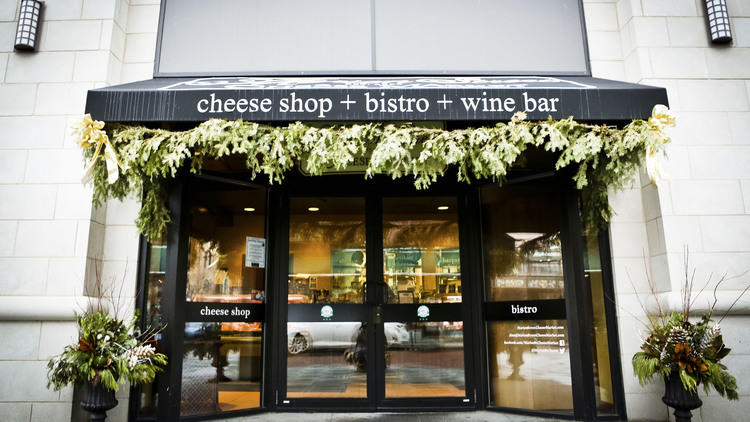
[628, 239]
[649, 31]
[17, 99]
[66, 276]
[7, 237]
[728, 63]
[706, 197]
[678, 62]
[627, 205]
[739, 127]
[98, 9]
[46, 412]
[29, 382]
[670, 8]
[121, 243]
[132, 72]
[631, 276]
[701, 128]
[15, 412]
[3, 65]
[122, 212]
[746, 194]
[741, 31]
[62, 9]
[720, 163]
[713, 95]
[13, 165]
[71, 35]
[687, 32]
[681, 231]
[55, 166]
[8, 10]
[23, 202]
[730, 233]
[46, 238]
[91, 66]
[23, 276]
[55, 336]
[62, 99]
[600, 16]
[7, 32]
[605, 45]
[32, 132]
[20, 340]
[143, 18]
[140, 48]
[74, 201]
[608, 69]
[655, 234]
[40, 67]
[676, 165]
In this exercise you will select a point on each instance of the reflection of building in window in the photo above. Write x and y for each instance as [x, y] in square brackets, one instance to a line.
[429, 274]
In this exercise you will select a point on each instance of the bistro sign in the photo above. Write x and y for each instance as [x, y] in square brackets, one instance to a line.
[285, 99]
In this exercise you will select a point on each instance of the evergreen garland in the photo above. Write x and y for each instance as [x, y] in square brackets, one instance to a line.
[602, 156]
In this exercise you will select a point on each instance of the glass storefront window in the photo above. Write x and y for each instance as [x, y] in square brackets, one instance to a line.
[424, 359]
[421, 260]
[326, 250]
[529, 357]
[222, 360]
[599, 337]
[152, 317]
[326, 359]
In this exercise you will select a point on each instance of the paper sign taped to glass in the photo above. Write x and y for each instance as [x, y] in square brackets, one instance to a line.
[255, 252]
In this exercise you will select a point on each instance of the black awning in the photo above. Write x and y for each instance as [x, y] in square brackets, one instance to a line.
[373, 98]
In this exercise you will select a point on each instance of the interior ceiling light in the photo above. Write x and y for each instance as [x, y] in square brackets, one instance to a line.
[249, 209]
[313, 209]
[443, 207]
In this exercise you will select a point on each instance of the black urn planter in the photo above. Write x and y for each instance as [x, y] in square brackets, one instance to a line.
[97, 400]
[679, 398]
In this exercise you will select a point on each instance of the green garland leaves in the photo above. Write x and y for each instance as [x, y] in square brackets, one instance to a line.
[603, 156]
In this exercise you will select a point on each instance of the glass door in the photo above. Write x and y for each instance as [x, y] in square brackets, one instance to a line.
[326, 301]
[422, 309]
[374, 303]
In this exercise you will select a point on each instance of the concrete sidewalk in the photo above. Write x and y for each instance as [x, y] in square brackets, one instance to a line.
[478, 416]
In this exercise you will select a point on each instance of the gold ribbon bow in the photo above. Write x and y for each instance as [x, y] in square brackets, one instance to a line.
[661, 119]
[91, 135]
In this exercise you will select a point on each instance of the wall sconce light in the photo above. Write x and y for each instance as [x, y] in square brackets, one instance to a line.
[717, 18]
[28, 24]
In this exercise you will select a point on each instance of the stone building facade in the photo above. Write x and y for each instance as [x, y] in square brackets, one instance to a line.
[53, 243]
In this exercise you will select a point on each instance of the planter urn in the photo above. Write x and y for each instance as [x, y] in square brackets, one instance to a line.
[97, 400]
[679, 398]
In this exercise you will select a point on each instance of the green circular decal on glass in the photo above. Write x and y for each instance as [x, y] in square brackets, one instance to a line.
[326, 312]
[423, 312]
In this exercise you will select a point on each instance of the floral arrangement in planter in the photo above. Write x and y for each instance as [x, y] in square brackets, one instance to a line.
[686, 350]
[108, 351]
[691, 350]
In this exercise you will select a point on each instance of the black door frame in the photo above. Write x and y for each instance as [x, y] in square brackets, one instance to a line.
[577, 297]
[373, 192]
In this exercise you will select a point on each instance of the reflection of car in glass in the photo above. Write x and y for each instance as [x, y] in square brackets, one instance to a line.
[303, 336]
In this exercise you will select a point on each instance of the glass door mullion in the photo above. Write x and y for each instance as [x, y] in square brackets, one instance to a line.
[376, 351]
